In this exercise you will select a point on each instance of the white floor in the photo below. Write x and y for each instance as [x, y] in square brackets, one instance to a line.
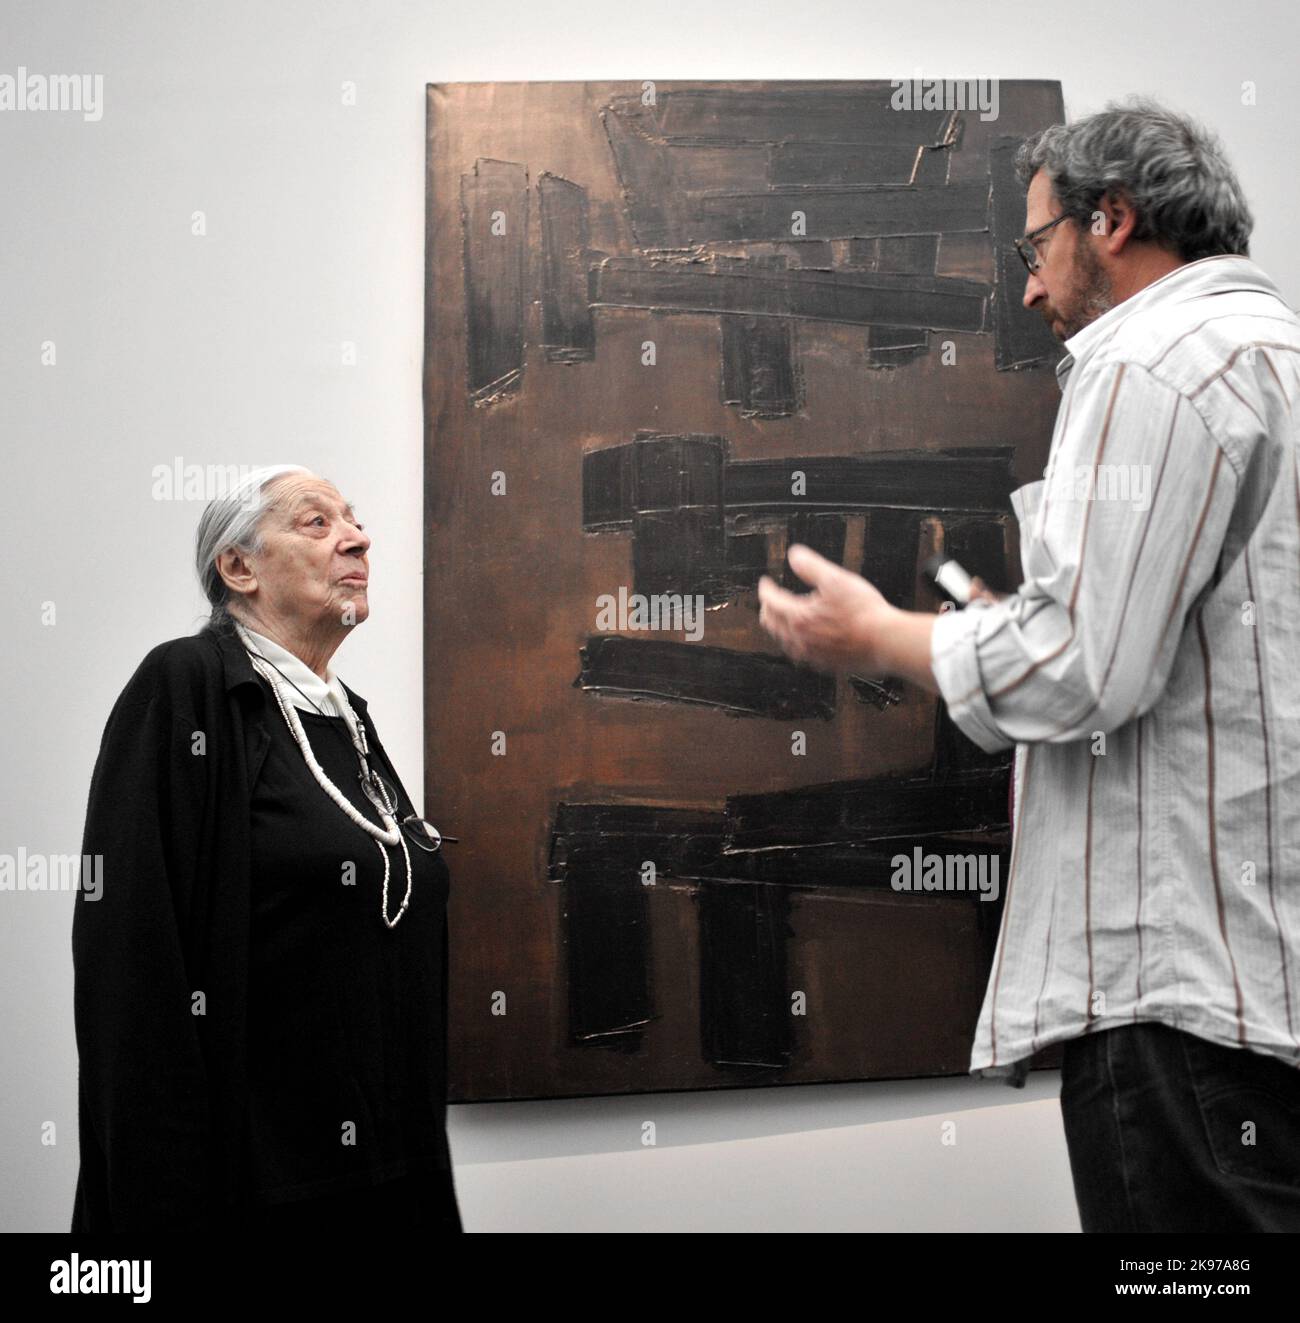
[1004, 1167]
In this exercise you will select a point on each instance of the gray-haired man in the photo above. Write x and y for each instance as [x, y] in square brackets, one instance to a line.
[1148, 671]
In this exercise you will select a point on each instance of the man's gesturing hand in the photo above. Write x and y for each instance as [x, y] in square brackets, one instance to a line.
[840, 625]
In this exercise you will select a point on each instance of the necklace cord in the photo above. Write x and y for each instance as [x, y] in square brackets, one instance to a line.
[391, 833]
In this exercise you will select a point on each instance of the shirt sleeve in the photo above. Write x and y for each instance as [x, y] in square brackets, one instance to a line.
[1135, 506]
[144, 1109]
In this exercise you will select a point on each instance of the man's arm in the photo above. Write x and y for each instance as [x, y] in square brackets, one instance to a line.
[846, 624]
[1088, 641]
[1128, 532]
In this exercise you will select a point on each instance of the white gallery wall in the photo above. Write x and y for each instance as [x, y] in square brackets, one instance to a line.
[227, 347]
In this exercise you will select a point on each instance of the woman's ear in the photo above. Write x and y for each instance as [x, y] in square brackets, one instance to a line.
[236, 571]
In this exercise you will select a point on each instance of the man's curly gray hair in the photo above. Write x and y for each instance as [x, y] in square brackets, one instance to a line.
[1173, 171]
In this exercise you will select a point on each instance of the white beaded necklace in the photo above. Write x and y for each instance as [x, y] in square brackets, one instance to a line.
[391, 833]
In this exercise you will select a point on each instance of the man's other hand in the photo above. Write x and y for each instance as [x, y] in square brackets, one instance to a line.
[981, 592]
[837, 626]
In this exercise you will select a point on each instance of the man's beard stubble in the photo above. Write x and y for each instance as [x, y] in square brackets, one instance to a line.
[1094, 296]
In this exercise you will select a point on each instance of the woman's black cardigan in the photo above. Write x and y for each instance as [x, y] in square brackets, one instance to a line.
[161, 958]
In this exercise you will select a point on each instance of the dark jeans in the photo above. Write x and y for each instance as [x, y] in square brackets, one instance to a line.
[413, 1203]
[1170, 1132]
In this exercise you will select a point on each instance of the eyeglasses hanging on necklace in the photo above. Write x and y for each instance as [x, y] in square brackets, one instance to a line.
[373, 785]
[420, 830]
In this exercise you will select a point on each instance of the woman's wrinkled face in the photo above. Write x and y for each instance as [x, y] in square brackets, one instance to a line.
[313, 569]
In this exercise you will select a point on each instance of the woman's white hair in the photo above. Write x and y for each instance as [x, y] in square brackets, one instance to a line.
[233, 520]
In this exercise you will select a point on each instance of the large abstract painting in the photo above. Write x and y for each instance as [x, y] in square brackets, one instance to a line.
[672, 329]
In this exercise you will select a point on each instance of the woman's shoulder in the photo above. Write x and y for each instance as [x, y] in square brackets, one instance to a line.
[190, 656]
[179, 670]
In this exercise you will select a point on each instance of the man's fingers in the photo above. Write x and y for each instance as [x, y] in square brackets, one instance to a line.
[777, 629]
[778, 615]
[777, 601]
[809, 565]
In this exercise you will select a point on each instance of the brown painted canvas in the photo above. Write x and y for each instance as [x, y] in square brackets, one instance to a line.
[670, 330]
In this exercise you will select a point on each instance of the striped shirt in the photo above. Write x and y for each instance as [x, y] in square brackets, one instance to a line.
[1148, 671]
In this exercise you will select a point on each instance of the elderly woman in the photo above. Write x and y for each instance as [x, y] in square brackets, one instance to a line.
[260, 1000]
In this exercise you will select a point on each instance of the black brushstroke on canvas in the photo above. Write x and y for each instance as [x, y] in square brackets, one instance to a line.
[745, 859]
[864, 113]
[824, 533]
[745, 683]
[796, 164]
[494, 220]
[745, 1016]
[889, 554]
[862, 210]
[679, 534]
[606, 933]
[697, 517]
[819, 139]
[850, 850]
[568, 334]
[758, 368]
[721, 284]
[667, 490]
[846, 813]
[969, 479]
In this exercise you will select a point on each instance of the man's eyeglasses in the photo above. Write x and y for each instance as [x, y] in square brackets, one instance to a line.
[1025, 247]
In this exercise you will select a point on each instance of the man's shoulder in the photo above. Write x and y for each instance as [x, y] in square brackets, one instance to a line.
[1188, 343]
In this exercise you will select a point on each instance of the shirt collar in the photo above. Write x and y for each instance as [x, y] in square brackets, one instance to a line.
[1217, 274]
[307, 691]
[238, 671]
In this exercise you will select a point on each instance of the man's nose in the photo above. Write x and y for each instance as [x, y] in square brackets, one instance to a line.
[357, 541]
[1034, 290]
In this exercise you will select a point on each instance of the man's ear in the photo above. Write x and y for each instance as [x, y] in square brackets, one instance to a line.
[236, 572]
[1115, 217]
